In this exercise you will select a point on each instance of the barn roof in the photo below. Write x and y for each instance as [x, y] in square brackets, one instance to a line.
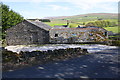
[75, 29]
[82, 28]
[40, 24]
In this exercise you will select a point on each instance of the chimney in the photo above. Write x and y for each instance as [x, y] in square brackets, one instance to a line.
[37, 20]
[67, 23]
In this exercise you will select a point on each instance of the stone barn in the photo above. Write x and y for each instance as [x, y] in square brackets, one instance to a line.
[28, 32]
[35, 32]
[77, 35]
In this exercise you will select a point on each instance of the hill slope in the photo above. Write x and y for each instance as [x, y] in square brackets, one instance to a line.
[86, 17]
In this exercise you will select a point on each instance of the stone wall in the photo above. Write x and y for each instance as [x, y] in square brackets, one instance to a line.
[23, 59]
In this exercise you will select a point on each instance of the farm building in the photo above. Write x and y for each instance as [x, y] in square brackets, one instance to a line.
[76, 35]
[28, 32]
[35, 32]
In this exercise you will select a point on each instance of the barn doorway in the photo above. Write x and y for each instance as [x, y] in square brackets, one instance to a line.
[35, 37]
[71, 40]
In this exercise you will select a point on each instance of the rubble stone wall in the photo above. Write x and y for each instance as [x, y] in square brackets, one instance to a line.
[15, 60]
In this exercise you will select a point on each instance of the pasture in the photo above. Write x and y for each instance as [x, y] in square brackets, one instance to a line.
[113, 29]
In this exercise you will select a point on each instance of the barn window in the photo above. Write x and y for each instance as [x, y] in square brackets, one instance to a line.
[105, 33]
[90, 34]
[73, 34]
[56, 35]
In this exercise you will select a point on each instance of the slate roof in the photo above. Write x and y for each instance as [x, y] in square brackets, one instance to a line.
[40, 25]
[62, 27]
[75, 29]
[58, 27]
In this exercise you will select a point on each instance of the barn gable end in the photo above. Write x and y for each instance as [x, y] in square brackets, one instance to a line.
[26, 33]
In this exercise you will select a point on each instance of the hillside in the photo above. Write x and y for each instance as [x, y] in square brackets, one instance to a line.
[86, 17]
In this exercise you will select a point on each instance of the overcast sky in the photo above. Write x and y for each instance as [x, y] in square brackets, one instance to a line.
[47, 8]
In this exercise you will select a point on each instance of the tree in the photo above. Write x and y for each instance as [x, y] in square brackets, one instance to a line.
[83, 23]
[101, 23]
[9, 18]
[90, 24]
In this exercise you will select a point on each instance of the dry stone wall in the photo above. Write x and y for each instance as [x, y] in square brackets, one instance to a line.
[15, 60]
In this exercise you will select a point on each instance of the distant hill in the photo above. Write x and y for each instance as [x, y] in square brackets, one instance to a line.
[86, 17]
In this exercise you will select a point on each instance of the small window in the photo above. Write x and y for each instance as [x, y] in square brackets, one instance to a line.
[73, 34]
[56, 35]
[105, 33]
[90, 34]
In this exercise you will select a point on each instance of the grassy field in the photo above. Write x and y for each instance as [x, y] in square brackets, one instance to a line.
[53, 24]
[71, 25]
[113, 29]
[76, 22]
[87, 17]
[80, 19]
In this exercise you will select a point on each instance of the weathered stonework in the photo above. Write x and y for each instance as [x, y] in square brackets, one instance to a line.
[26, 33]
[76, 35]
[24, 59]
[36, 32]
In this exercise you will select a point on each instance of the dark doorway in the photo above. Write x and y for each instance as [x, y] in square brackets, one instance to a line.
[70, 40]
[35, 37]
[105, 33]
[56, 35]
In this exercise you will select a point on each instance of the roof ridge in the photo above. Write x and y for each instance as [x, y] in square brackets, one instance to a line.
[44, 26]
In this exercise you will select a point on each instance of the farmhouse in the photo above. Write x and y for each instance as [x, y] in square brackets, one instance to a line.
[35, 32]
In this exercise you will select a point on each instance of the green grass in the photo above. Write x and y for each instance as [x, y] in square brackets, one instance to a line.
[55, 23]
[82, 19]
[71, 25]
[113, 29]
